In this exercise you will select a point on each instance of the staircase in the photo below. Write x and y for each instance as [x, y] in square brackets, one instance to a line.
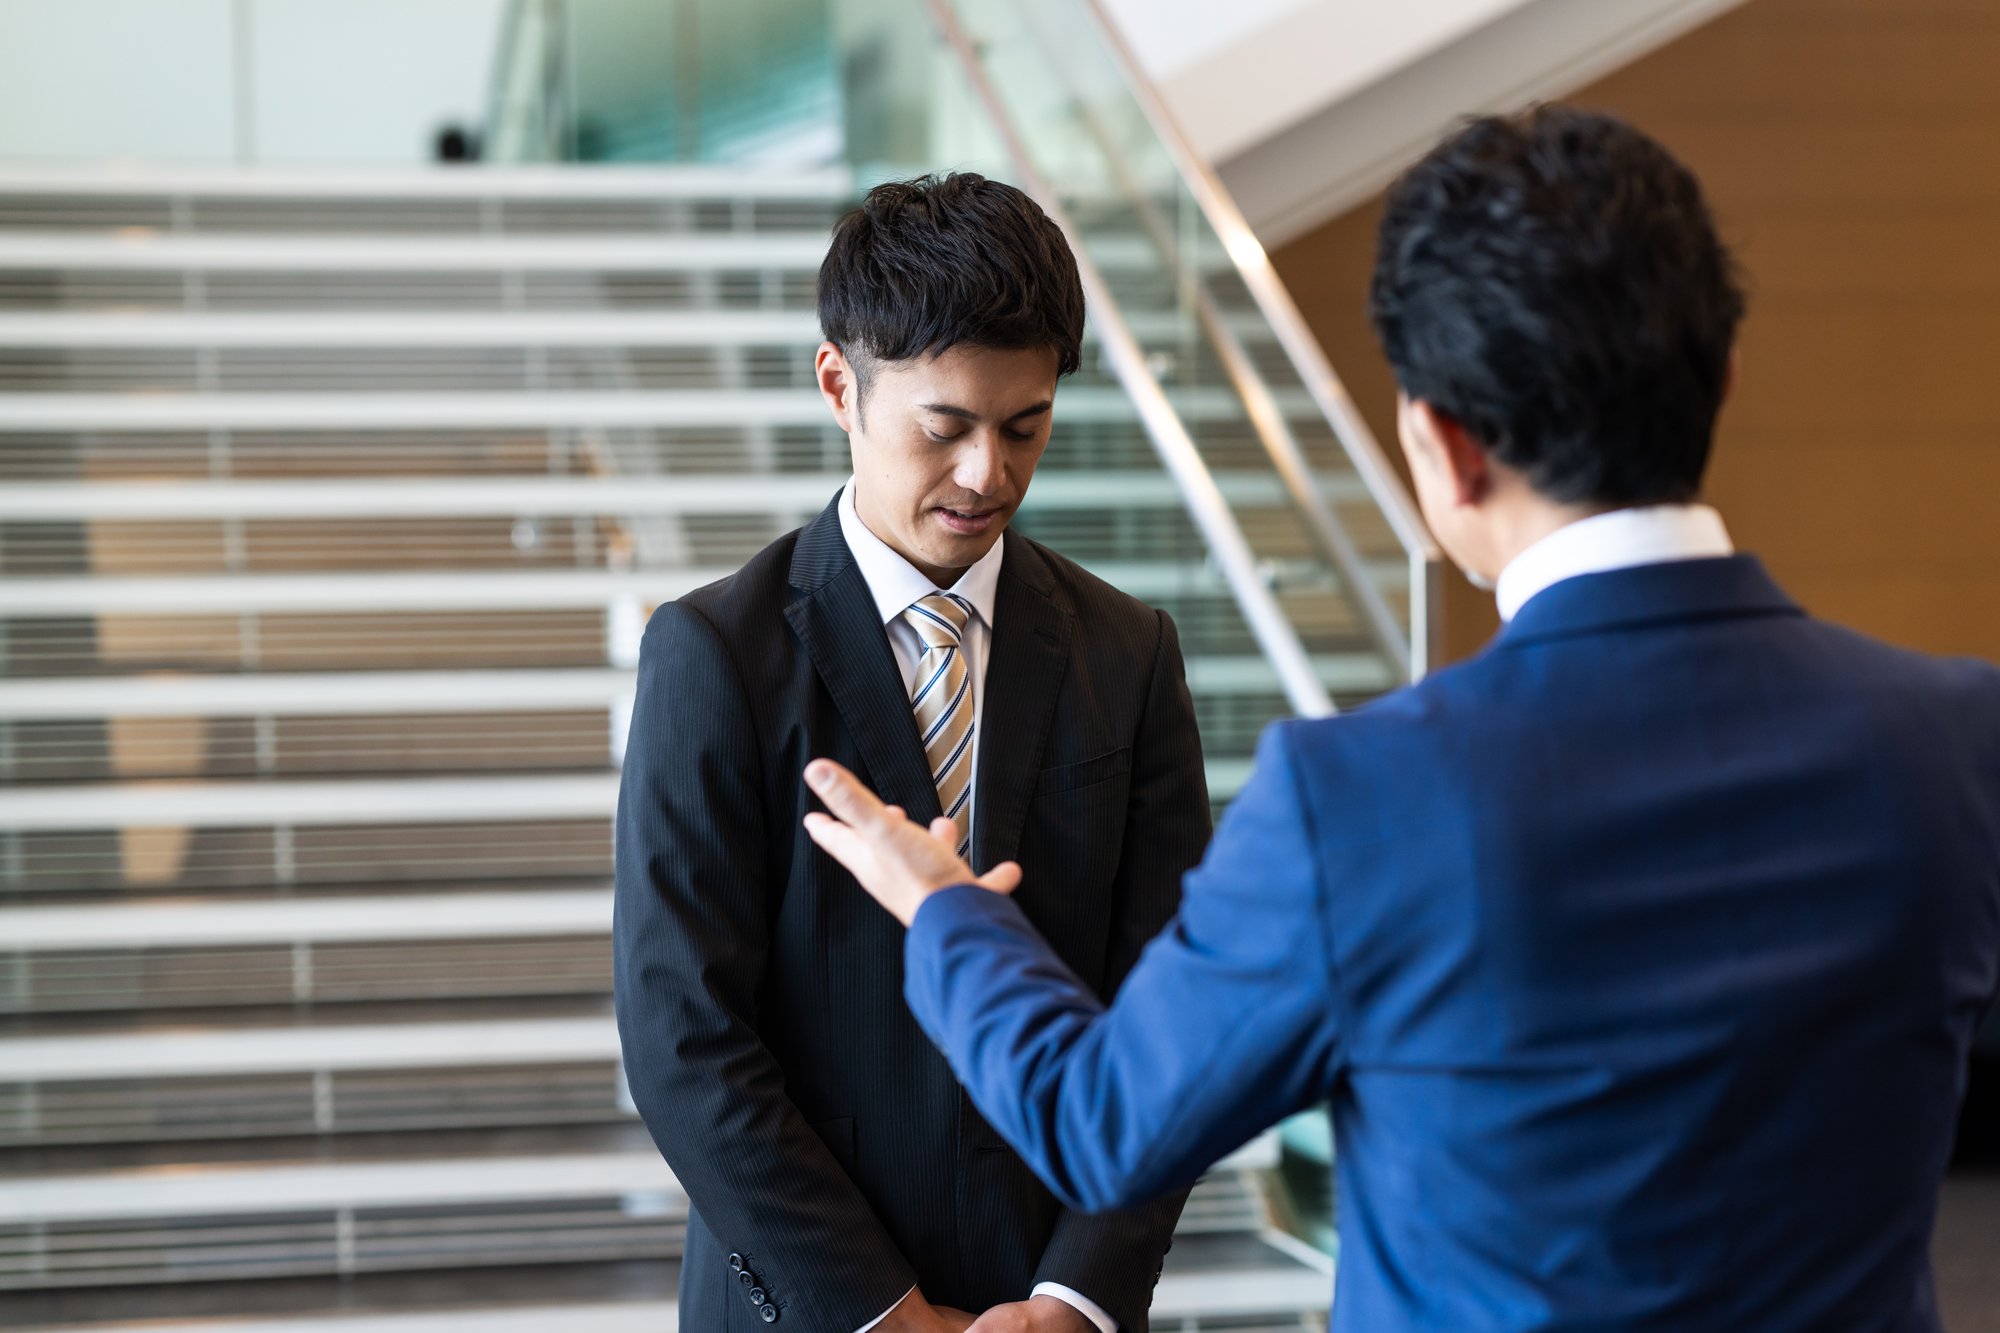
[331, 510]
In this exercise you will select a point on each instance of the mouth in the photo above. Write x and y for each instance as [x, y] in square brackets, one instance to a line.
[968, 522]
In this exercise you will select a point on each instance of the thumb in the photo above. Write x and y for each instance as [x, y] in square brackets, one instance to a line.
[1003, 878]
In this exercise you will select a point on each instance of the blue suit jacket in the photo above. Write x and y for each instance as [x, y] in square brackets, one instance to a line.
[1639, 958]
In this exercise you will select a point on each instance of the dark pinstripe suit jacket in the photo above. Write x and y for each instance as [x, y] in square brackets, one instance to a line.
[831, 1159]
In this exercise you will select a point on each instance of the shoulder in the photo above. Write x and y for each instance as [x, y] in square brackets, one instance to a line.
[1410, 748]
[736, 609]
[1959, 693]
[1112, 616]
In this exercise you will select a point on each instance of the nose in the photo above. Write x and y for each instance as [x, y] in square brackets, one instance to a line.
[981, 465]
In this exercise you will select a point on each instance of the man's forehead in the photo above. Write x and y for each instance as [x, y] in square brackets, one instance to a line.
[986, 380]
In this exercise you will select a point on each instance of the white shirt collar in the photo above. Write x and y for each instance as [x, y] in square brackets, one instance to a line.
[896, 584]
[1617, 540]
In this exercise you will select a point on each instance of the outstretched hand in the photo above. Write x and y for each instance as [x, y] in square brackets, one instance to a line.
[896, 861]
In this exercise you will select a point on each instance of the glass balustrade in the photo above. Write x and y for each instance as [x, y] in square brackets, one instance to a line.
[1285, 546]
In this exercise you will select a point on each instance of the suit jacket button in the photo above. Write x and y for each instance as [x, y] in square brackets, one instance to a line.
[735, 1263]
[746, 1277]
[769, 1314]
[758, 1295]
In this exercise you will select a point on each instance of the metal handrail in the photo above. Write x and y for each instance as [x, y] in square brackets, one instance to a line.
[1273, 432]
[1304, 350]
[1274, 632]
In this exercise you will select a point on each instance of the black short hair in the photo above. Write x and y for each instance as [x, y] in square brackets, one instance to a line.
[1553, 281]
[926, 265]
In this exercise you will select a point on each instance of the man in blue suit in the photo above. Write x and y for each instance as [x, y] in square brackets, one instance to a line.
[1639, 956]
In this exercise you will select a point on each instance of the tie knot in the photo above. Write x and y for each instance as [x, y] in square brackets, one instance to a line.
[939, 619]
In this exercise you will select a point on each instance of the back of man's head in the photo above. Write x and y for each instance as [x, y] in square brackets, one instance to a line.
[1553, 282]
[926, 265]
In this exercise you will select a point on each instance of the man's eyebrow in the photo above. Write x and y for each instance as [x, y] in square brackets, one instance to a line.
[967, 414]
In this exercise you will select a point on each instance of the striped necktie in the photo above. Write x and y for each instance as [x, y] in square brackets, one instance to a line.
[942, 701]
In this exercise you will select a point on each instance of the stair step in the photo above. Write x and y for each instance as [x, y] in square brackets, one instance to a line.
[150, 249]
[429, 957]
[500, 590]
[224, 923]
[198, 804]
[1280, 1289]
[373, 693]
[523, 409]
[494, 497]
[293, 594]
[472, 799]
[797, 329]
[275, 1050]
[313, 693]
[195, 1191]
[139, 180]
[133, 249]
[218, 1191]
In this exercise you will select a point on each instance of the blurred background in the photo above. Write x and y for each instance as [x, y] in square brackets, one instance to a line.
[369, 370]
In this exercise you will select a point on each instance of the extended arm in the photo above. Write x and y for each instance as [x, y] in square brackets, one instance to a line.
[1230, 1021]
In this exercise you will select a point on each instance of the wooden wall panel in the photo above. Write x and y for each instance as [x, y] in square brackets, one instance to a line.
[1851, 150]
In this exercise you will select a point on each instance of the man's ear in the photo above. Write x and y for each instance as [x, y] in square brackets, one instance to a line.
[1461, 457]
[838, 385]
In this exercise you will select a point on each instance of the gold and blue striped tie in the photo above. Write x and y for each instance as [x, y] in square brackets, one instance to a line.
[942, 701]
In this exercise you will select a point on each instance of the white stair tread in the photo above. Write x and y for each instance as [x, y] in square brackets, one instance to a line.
[312, 693]
[149, 249]
[797, 328]
[188, 1191]
[456, 497]
[370, 919]
[518, 590]
[279, 1050]
[180, 803]
[226, 594]
[1277, 1289]
[412, 328]
[371, 693]
[523, 410]
[193, 803]
[143, 248]
[690, 181]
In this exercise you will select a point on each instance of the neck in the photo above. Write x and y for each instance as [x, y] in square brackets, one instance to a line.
[1526, 518]
[939, 575]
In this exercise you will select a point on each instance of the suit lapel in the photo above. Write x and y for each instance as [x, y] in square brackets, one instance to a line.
[837, 623]
[1024, 673]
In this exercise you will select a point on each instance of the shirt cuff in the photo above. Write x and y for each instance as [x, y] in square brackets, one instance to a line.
[1085, 1306]
[891, 1310]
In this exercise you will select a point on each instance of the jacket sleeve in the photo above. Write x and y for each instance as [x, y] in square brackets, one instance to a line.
[1230, 1021]
[691, 937]
[1115, 1258]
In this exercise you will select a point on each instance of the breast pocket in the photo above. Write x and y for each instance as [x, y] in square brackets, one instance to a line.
[1085, 773]
[1070, 850]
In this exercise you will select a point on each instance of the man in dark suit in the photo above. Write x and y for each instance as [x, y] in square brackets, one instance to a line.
[839, 1178]
[1640, 956]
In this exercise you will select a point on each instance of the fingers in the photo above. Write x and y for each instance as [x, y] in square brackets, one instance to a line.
[843, 794]
[1003, 878]
[837, 840]
[945, 831]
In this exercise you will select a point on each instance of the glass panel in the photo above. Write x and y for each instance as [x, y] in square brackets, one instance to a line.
[885, 94]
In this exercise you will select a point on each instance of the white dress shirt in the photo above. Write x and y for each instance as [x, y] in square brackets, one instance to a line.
[1620, 539]
[896, 585]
